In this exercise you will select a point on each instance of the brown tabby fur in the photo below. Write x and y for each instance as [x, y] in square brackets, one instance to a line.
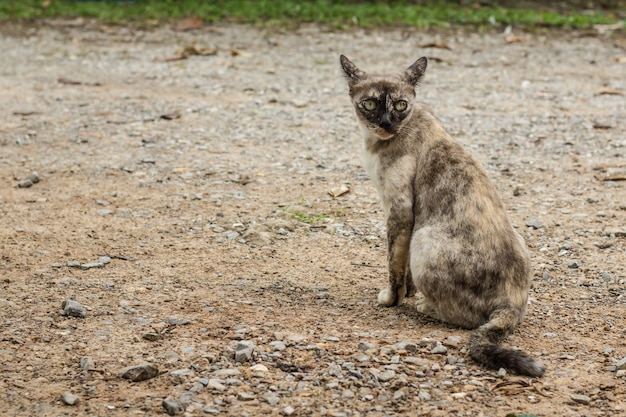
[447, 231]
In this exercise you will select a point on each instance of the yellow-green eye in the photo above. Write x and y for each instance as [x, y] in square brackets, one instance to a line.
[400, 105]
[368, 105]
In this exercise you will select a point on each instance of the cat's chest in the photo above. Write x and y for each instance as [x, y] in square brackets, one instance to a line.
[371, 163]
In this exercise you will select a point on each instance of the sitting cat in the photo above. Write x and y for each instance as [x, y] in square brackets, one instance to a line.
[447, 231]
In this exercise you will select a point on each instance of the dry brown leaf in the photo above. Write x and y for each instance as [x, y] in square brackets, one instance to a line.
[188, 51]
[514, 39]
[193, 50]
[437, 44]
[25, 113]
[620, 59]
[67, 81]
[618, 176]
[339, 191]
[236, 52]
[189, 23]
[170, 116]
[610, 93]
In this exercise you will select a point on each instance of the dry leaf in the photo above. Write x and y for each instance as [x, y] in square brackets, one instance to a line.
[67, 81]
[617, 176]
[620, 59]
[514, 39]
[610, 93]
[25, 113]
[235, 52]
[189, 23]
[187, 52]
[170, 116]
[193, 50]
[437, 44]
[339, 191]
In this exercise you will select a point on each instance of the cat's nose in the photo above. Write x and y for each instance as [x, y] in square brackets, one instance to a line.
[385, 121]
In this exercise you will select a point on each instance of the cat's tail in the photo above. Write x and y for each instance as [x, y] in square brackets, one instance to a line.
[484, 346]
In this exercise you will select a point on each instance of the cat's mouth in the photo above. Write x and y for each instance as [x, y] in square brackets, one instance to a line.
[382, 133]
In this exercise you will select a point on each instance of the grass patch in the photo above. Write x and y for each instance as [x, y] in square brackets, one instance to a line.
[337, 13]
[307, 218]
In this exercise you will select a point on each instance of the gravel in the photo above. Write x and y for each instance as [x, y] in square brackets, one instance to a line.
[257, 286]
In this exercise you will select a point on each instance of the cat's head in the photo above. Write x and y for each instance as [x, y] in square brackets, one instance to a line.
[383, 102]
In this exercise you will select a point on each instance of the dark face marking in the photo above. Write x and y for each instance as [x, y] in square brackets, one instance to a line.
[386, 108]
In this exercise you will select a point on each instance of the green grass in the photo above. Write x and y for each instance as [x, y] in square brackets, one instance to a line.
[338, 13]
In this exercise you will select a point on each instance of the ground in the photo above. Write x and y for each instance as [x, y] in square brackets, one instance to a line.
[194, 203]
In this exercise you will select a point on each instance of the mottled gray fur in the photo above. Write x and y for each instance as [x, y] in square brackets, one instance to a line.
[447, 231]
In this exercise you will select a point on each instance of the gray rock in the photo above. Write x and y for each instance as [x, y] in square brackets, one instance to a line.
[244, 396]
[227, 372]
[439, 350]
[25, 183]
[172, 407]
[73, 309]
[87, 363]
[407, 346]
[288, 411]
[278, 345]
[244, 355]
[535, 224]
[399, 395]
[580, 399]
[388, 375]
[139, 372]
[573, 264]
[424, 396]
[34, 178]
[271, 398]
[621, 364]
[216, 384]
[69, 399]
[365, 345]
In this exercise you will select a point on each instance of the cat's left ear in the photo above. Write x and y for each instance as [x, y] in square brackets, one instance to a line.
[413, 73]
[352, 72]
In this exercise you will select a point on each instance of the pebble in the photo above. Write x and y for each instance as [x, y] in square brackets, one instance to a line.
[244, 350]
[29, 181]
[535, 224]
[580, 399]
[288, 411]
[407, 346]
[172, 407]
[399, 395]
[365, 346]
[244, 396]
[101, 262]
[387, 375]
[216, 384]
[73, 309]
[87, 363]
[439, 350]
[69, 399]
[278, 345]
[138, 373]
[424, 396]
[573, 264]
[259, 368]
[621, 364]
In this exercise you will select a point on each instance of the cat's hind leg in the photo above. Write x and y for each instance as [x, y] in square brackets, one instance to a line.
[425, 307]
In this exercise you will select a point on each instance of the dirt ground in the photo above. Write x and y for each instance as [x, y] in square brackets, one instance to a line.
[187, 205]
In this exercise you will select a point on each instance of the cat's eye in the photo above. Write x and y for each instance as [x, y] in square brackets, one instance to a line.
[368, 105]
[400, 105]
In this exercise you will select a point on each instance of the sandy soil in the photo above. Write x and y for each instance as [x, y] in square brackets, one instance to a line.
[186, 205]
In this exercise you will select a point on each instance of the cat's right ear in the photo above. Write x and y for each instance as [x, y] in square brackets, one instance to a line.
[413, 73]
[354, 74]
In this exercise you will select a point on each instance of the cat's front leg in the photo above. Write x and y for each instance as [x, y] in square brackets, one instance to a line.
[398, 240]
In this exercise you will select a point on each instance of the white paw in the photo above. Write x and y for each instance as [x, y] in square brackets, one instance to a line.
[386, 298]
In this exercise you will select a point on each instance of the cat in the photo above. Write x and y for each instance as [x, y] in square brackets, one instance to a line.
[448, 235]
